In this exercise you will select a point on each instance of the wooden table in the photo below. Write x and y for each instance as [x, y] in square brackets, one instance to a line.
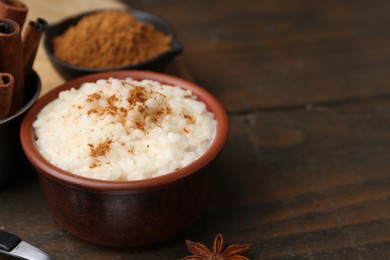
[306, 171]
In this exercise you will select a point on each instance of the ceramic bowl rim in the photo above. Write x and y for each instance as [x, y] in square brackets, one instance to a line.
[61, 176]
[176, 47]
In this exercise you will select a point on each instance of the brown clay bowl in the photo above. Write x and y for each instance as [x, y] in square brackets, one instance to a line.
[131, 213]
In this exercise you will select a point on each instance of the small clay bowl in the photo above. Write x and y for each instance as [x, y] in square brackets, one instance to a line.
[129, 213]
[12, 159]
[69, 71]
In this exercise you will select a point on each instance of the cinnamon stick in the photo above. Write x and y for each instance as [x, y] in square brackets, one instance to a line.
[31, 38]
[11, 59]
[6, 89]
[15, 10]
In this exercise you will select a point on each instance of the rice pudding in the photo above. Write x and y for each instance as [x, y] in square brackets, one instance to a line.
[123, 129]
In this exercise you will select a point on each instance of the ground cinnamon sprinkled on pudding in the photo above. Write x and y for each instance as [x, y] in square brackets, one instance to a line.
[100, 150]
[124, 129]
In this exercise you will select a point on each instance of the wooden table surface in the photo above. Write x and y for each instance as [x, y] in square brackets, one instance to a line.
[306, 170]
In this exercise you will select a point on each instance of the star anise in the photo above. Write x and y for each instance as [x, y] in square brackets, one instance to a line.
[201, 252]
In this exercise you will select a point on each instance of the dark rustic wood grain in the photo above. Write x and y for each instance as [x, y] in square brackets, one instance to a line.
[283, 53]
[306, 171]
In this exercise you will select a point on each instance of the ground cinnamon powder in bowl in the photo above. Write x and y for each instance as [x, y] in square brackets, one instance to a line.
[110, 39]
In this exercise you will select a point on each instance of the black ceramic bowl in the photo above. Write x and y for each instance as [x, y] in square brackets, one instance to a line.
[69, 71]
[13, 162]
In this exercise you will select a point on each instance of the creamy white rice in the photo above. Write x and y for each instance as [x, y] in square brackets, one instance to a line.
[124, 129]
